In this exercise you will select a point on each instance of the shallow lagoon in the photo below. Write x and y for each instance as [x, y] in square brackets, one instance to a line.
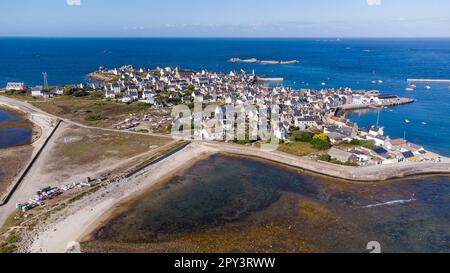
[229, 204]
[10, 136]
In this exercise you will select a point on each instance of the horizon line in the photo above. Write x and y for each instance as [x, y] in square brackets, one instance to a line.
[225, 37]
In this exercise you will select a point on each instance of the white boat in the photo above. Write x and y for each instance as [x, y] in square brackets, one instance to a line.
[428, 87]
[374, 82]
[407, 121]
[323, 84]
[413, 86]
[424, 123]
[380, 81]
[409, 89]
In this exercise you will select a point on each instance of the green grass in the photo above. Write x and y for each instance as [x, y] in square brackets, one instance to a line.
[360, 143]
[10, 241]
[327, 158]
[298, 148]
[92, 110]
[15, 219]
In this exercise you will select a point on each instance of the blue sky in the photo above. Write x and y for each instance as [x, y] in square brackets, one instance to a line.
[230, 18]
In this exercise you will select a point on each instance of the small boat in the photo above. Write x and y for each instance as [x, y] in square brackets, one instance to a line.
[409, 89]
[380, 81]
[413, 86]
[323, 84]
[374, 82]
[428, 87]
[424, 123]
[407, 121]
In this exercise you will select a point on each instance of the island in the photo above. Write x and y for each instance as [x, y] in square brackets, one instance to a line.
[256, 61]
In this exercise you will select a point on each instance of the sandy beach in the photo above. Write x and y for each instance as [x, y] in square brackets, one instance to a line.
[82, 217]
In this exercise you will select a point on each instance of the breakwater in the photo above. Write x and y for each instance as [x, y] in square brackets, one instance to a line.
[428, 81]
[392, 102]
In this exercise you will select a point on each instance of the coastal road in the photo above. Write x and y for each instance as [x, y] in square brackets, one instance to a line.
[356, 174]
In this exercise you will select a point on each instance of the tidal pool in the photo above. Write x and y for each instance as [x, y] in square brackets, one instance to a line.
[11, 136]
[231, 204]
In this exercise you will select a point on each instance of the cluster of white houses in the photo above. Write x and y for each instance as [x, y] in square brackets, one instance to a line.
[385, 150]
[304, 109]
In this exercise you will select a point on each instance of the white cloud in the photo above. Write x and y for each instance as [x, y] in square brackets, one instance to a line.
[73, 2]
[374, 2]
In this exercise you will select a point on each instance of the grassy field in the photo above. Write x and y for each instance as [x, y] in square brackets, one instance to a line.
[93, 111]
[85, 147]
[298, 148]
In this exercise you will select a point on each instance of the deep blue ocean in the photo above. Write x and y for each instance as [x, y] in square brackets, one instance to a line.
[339, 63]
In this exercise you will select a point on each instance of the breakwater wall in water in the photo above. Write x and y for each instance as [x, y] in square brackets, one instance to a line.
[395, 102]
[428, 81]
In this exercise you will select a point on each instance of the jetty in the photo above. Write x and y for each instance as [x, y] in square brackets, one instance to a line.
[428, 81]
[388, 103]
[264, 79]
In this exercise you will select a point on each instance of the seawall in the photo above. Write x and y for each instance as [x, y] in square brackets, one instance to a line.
[359, 174]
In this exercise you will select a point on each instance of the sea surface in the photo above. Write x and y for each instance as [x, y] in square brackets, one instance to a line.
[336, 62]
[10, 137]
[229, 204]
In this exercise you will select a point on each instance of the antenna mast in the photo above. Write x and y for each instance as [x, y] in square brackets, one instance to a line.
[45, 80]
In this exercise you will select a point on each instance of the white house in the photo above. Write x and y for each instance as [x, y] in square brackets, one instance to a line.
[59, 91]
[109, 94]
[37, 91]
[16, 86]
[379, 140]
[115, 88]
[133, 94]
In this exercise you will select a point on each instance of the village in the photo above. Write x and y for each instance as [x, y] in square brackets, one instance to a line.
[304, 110]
